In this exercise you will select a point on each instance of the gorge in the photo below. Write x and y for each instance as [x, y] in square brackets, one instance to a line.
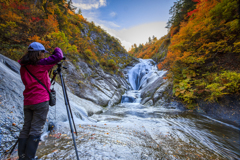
[144, 126]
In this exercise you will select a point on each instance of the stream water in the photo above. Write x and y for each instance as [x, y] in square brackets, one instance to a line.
[134, 131]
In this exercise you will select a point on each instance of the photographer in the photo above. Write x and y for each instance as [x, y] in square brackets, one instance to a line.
[36, 97]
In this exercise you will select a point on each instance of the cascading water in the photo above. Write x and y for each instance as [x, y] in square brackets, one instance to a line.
[138, 76]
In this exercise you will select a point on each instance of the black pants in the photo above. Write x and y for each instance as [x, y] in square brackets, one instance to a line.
[34, 119]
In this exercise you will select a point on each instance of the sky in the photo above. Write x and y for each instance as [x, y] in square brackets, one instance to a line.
[131, 21]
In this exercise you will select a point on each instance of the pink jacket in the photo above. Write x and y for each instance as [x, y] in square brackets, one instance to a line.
[34, 92]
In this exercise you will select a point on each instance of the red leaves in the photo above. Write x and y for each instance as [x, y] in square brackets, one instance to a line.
[192, 12]
[198, 1]
[35, 19]
[57, 135]
[22, 7]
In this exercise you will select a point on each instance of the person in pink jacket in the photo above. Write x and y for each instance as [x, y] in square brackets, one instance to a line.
[36, 97]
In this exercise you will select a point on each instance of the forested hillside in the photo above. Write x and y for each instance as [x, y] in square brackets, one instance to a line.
[54, 23]
[155, 49]
[203, 56]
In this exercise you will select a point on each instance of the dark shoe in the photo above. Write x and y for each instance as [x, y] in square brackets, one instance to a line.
[31, 147]
[21, 148]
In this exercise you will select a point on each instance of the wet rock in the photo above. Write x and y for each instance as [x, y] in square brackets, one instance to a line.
[149, 103]
[227, 109]
[148, 91]
[11, 102]
[14, 66]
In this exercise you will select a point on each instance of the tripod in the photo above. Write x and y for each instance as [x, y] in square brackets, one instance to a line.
[69, 111]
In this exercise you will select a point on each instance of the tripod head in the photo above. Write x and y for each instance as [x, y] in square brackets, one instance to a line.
[59, 68]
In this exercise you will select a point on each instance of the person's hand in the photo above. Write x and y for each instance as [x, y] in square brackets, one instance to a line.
[57, 49]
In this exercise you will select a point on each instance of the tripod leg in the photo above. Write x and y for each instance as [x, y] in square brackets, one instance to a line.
[70, 109]
[68, 113]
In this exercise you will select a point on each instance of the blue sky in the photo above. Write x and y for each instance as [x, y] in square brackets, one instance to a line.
[131, 21]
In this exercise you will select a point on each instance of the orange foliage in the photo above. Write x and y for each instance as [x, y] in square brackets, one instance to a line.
[36, 38]
[82, 18]
[211, 32]
[51, 23]
[148, 50]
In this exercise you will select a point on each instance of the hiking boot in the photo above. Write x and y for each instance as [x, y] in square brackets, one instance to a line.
[21, 148]
[31, 147]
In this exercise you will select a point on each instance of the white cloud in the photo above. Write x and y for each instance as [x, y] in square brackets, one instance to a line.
[113, 14]
[89, 4]
[94, 16]
[91, 15]
[111, 24]
[138, 34]
[103, 2]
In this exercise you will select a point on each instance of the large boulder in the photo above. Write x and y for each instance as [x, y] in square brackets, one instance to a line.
[152, 89]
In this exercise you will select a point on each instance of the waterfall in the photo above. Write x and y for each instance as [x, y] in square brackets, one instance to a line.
[140, 72]
[139, 76]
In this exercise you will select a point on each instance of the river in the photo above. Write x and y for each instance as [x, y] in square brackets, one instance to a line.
[134, 131]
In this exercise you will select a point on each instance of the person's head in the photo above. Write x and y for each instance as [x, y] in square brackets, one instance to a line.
[35, 52]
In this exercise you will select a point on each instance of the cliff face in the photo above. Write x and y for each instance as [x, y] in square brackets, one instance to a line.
[92, 83]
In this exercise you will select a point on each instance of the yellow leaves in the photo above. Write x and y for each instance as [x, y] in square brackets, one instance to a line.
[51, 23]
[10, 16]
[58, 39]
[81, 17]
[177, 94]
[236, 47]
[36, 38]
